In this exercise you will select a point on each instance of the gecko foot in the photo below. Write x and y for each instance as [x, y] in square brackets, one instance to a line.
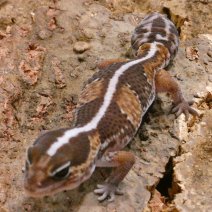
[107, 190]
[184, 107]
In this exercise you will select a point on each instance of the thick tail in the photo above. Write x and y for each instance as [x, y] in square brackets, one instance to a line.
[156, 28]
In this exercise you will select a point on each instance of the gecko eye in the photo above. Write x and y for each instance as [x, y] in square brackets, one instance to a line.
[61, 172]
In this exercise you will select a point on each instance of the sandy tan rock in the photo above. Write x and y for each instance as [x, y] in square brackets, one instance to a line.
[81, 46]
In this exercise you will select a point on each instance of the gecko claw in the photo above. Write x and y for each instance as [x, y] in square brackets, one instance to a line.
[107, 190]
[184, 107]
[99, 186]
[112, 197]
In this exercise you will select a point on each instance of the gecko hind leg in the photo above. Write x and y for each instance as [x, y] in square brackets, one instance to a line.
[122, 162]
[165, 83]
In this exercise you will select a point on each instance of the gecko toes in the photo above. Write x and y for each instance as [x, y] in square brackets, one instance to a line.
[107, 191]
[191, 102]
[103, 196]
[184, 107]
[112, 197]
[100, 186]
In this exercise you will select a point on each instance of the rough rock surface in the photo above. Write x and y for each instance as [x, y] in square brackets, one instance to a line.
[193, 168]
[40, 79]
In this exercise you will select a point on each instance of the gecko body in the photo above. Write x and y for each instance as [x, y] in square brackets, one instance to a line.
[108, 115]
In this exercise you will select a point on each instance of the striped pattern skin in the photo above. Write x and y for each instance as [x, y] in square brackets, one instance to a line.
[156, 28]
[109, 113]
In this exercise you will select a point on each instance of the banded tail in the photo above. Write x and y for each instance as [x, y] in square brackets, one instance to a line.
[156, 28]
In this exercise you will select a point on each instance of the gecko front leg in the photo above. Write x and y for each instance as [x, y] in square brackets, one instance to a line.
[165, 83]
[122, 162]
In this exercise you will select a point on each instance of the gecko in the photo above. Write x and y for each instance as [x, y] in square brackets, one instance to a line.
[109, 112]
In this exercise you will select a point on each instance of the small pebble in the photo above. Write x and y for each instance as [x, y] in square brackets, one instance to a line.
[44, 34]
[81, 46]
[209, 53]
[205, 61]
[75, 76]
[82, 57]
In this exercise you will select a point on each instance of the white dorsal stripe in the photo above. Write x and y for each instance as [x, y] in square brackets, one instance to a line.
[107, 100]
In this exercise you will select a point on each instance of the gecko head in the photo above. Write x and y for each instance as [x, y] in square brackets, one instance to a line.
[72, 163]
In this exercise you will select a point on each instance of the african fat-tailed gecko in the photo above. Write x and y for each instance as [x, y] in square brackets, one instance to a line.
[109, 113]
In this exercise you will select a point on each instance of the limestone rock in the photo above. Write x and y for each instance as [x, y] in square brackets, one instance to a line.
[81, 46]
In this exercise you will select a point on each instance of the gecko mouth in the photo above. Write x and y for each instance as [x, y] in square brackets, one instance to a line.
[39, 192]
